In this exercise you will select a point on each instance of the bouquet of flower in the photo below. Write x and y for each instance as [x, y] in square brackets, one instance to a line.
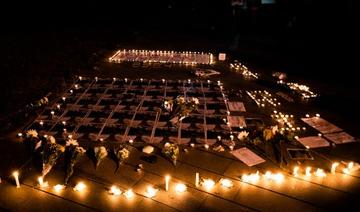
[183, 107]
[32, 141]
[52, 152]
[121, 154]
[100, 153]
[73, 153]
[171, 151]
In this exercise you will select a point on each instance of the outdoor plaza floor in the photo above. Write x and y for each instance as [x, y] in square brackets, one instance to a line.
[112, 111]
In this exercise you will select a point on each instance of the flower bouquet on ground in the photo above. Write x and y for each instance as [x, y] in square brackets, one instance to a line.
[181, 108]
[171, 151]
[121, 154]
[100, 153]
[72, 155]
[52, 152]
[32, 141]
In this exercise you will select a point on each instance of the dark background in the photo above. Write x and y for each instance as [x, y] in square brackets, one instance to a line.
[312, 40]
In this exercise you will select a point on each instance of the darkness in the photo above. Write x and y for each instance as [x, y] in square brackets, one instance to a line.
[310, 39]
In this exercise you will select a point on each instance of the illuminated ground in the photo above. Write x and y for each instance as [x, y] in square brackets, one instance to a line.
[334, 192]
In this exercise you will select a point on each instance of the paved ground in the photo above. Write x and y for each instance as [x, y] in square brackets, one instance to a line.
[334, 192]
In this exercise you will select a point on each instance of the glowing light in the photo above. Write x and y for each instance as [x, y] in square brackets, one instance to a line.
[16, 176]
[52, 112]
[320, 173]
[307, 115]
[59, 187]
[42, 184]
[278, 177]
[319, 134]
[226, 183]
[180, 187]
[63, 98]
[206, 146]
[167, 179]
[208, 183]
[192, 145]
[151, 192]
[41, 123]
[80, 187]
[346, 171]
[295, 171]
[131, 141]
[63, 122]
[114, 190]
[308, 171]
[350, 165]
[58, 106]
[333, 167]
[19, 134]
[251, 177]
[129, 194]
[197, 178]
[317, 115]
[231, 147]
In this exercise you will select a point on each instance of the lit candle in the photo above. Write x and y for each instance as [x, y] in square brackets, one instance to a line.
[333, 167]
[114, 190]
[308, 171]
[16, 176]
[58, 187]
[131, 141]
[226, 183]
[80, 186]
[180, 187]
[197, 179]
[167, 179]
[320, 173]
[151, 192]
[206, 146]
[295, 171]
[129, 194]
[208, 184]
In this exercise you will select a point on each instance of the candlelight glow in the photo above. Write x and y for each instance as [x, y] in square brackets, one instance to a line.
[42, 184]
[320, 173]
[333, 167]
[275, 177]
[80, 187]
[346, 171]
[251, 177]
[295, 171]
[114, 190]
[16, 176]
[350, 165]
[180, 187]
[226, 183]
[59, 187]
[208, 183]
[167, 179]
[151, 192]
[308, 171]
[129, 194]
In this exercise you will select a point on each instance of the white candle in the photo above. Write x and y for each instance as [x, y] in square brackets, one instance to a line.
[333, 167]
[16, 176]
[197, 179]
[167, 179]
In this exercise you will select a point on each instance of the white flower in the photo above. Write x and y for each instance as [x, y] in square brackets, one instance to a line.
[32, 133]
[274, 129]
[72, 142]
[51, 139]
[180, 99]
[242, 135]
[80, 149]
[195, 100]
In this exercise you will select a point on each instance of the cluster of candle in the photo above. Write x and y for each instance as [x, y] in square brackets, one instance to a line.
[237, 66]
[285, 122]
[254, 177]
[348, 167]
[303, 90]
[261, 98]
[159, 56]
